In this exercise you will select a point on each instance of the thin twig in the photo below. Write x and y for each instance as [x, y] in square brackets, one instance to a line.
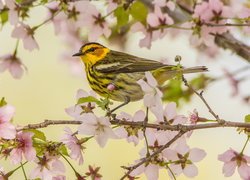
[203, 100]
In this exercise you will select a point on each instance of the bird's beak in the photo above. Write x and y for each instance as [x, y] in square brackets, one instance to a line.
[78, 54]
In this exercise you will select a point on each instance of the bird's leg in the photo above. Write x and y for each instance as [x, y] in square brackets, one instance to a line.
[127, 100]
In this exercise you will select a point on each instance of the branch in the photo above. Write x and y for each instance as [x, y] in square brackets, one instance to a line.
[148, 158]
[178, 127]
[227, 41]
[202, 98]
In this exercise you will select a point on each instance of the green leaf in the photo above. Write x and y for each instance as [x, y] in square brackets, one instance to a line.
[139, 11]
[103, 103]
[87, 99]
[4, 16]
[2, 102]
[122, 16]
[37, 134]
[173, 91]
[63, 150]
[247, 118]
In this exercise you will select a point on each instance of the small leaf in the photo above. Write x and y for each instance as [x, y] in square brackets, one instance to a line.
[87, 99]
[4, 16]
[63, 150]
[247, 118]
[139, 11]
[37, 134]
[3, 102]
[122, 16]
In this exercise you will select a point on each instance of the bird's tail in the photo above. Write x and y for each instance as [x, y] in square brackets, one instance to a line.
[194, 69]
[164, 74]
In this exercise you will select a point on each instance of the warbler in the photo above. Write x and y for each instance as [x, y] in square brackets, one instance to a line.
[115, 74]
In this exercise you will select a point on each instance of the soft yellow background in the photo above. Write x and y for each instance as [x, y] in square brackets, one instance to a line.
[48, 88]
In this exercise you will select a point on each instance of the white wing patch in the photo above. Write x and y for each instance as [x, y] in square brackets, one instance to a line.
[107, 66]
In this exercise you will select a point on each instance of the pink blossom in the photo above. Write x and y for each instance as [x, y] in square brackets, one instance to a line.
[158, 18]
[183, 159]
[132, 134]
[162, 3]
[233, 159]
[97, 127]
[76, 110]
[112, 5]
[23, 147]
[149, 34]
[24, 32]
[7, 130]
[151, 171]
[57, 20]
[193, 117]
[155, 140]
[13, 11]
[152, 95]
[171, 116]
[95, 22]
[13, 64]
[47, 168]
[73, 144]
[210, 12]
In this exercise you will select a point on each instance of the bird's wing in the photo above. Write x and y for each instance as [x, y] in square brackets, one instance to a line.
[118, 62]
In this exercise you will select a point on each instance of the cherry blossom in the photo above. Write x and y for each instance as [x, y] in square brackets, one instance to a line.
[183, 158]
[96, 23]
[23, 147]
[158, 18]
[24, 32]
[149, 34]
[162, 3]
[99, 127]
[152, 95]
[132, 134]
[112, 5]
[76, 110]
[233, 159]
[171, 116]
[13, 11]
[47, 168]
[73, 144]
[210, 12]
[155, 140]
[13, 64]
[93, 173]
[7, 130]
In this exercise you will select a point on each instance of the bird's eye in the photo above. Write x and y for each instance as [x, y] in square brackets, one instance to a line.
[91, 49]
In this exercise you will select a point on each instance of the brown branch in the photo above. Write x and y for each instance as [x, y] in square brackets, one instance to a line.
[179, 127]
[226, 24]
[148, 158]
[203, 100]
[227, 41]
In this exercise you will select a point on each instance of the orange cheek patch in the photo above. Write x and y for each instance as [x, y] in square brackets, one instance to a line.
[98, 52]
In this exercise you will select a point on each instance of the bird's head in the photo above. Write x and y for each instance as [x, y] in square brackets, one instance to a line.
[90, 53]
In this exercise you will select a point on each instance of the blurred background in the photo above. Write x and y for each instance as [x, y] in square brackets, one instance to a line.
[48, 87]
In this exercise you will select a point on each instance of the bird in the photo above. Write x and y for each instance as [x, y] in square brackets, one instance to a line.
[113, 74]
